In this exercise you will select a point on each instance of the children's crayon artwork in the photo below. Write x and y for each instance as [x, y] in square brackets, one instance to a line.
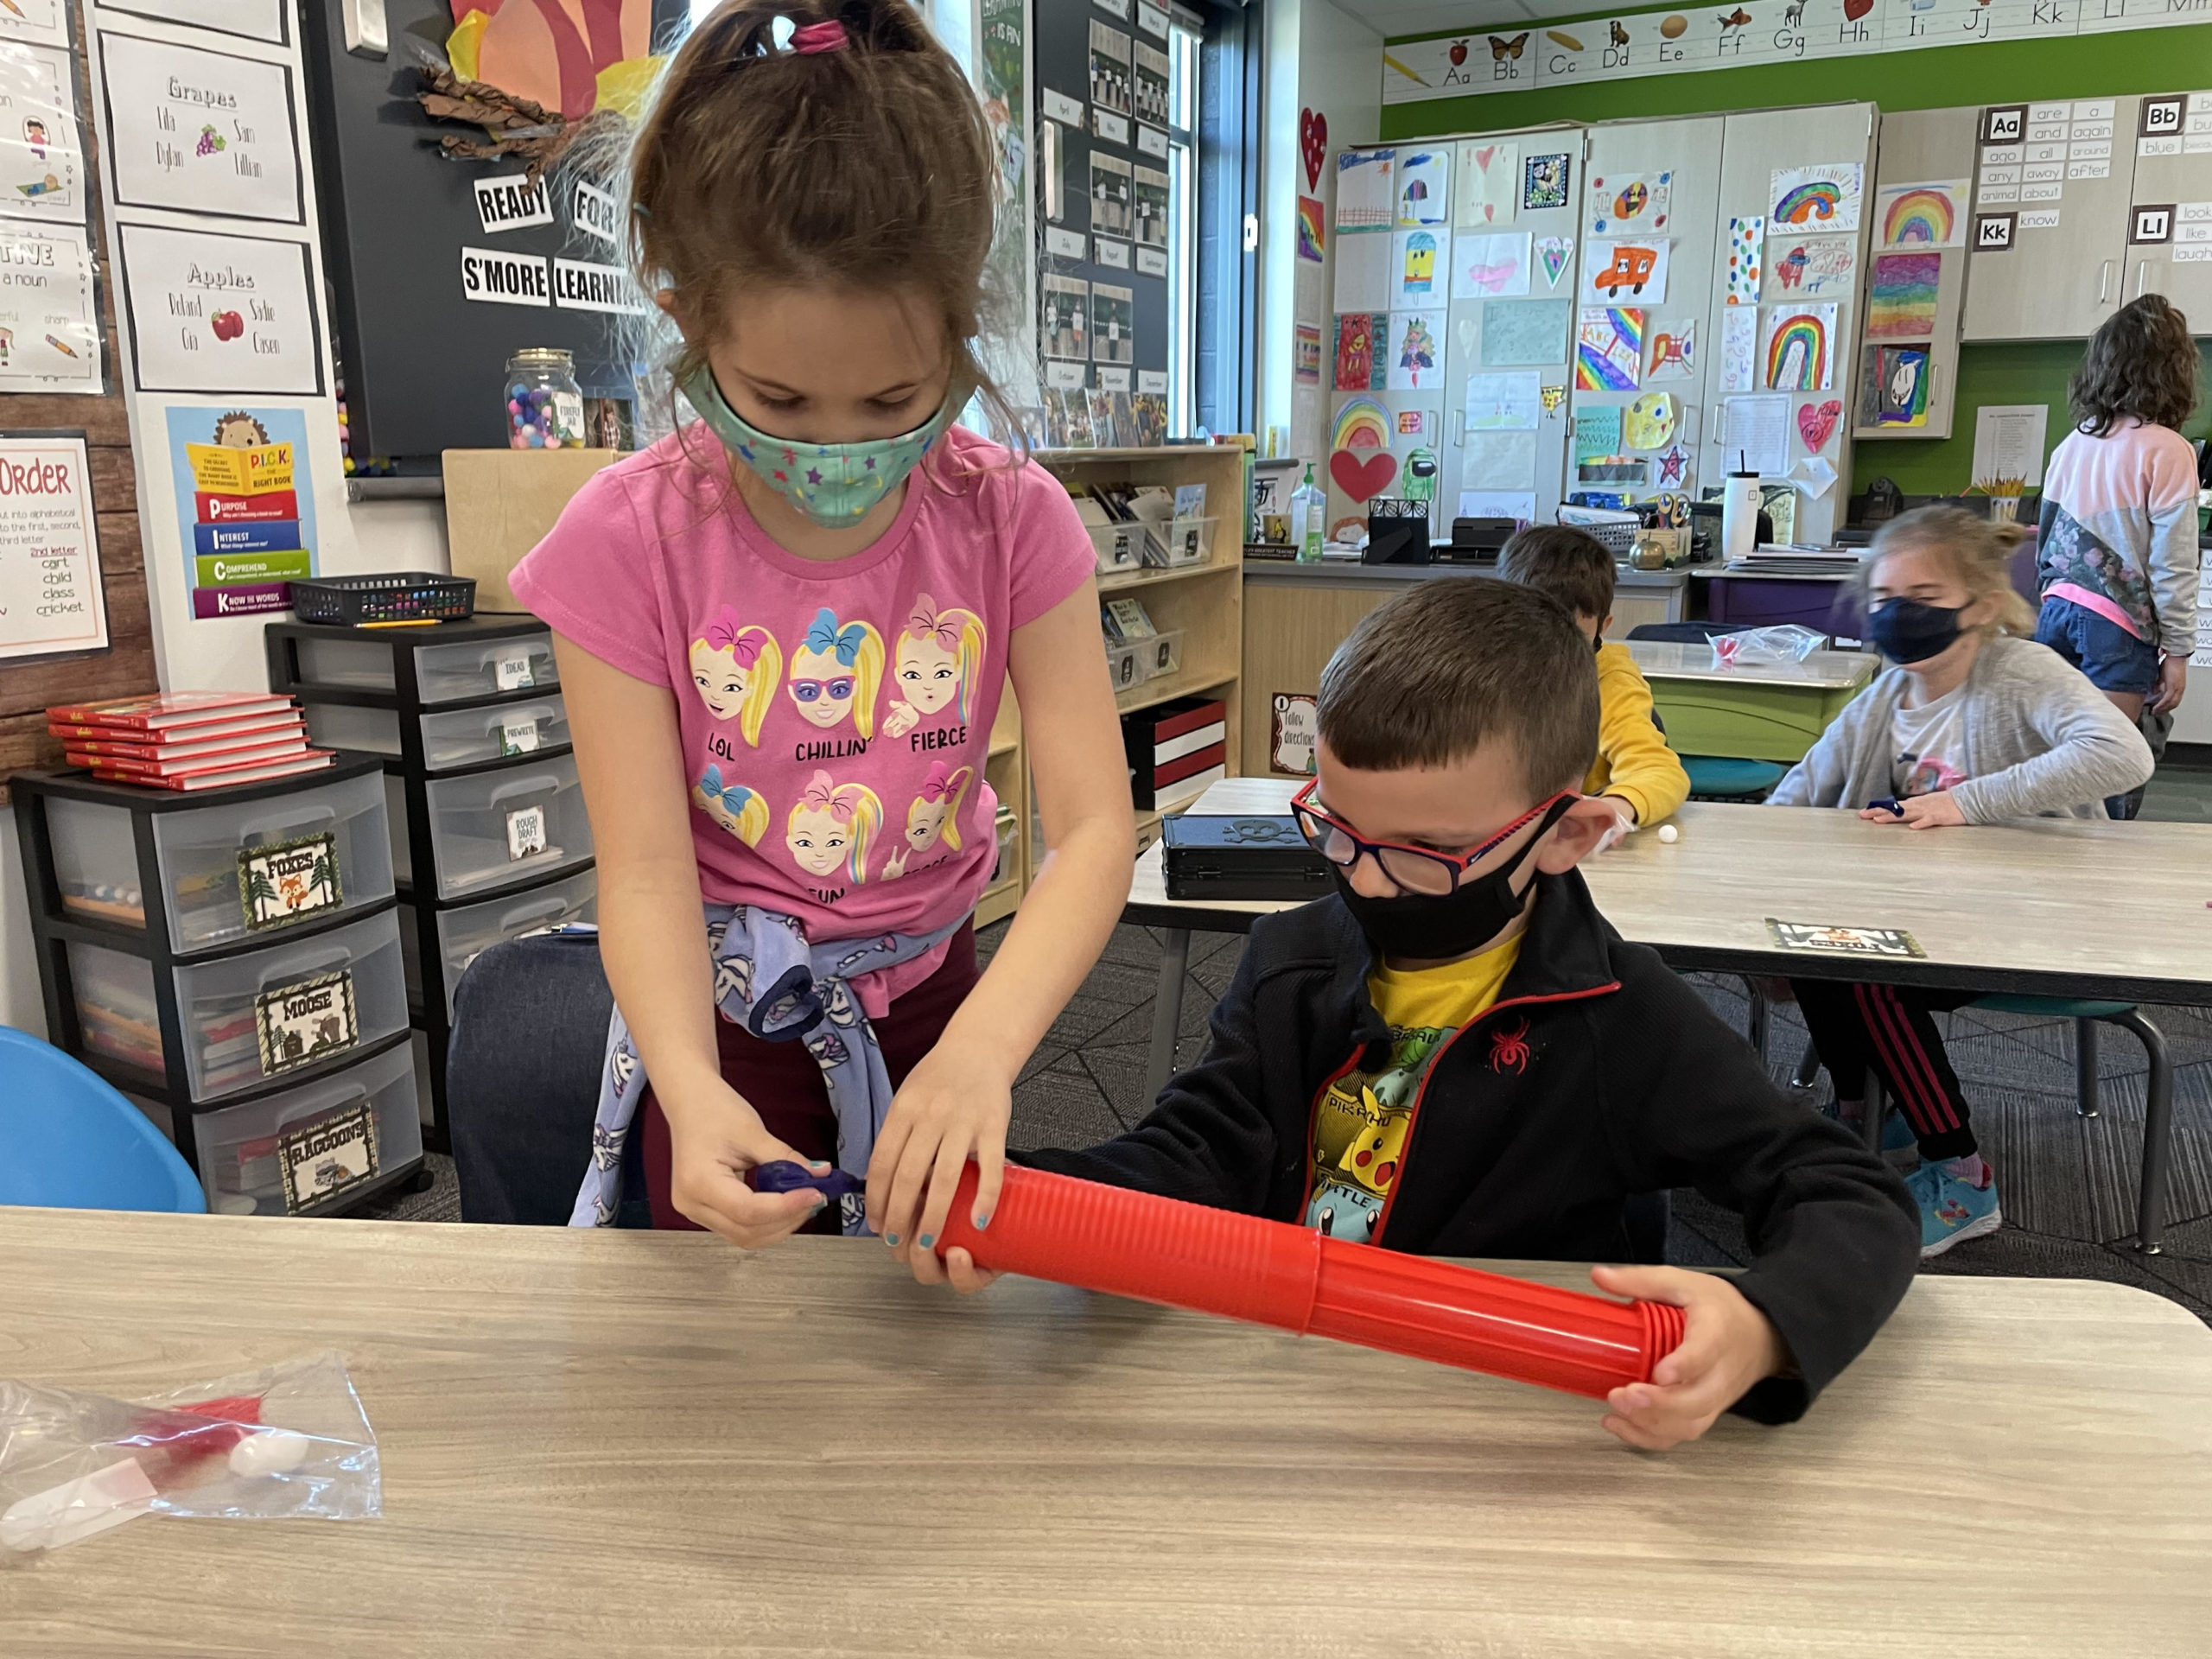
[1487, 186]
[1555, 254]
[1525, 333]
[1424, 186]
[1552, 398]
[1360, 461]
[1543, 182]
[1649, 423]
[1609, 349]
[1499, 460]
[1597, 431]
[1483, 266]
[1631, 268]
[1363, 278]
[1359, 367]
[1631, 204]
[1811, 267]
[1505, 403]
[1744, 238]
[1901, 295]
[1416, 349]
[1308, 368]
[1896, 389]
[1739, 347]
[1824, 197]
[1921, 215]
[1672, 471]
[1365, 199]
[1673, 353]
[1816, 422]
[1420, 267]
[1520, 506]
[1796, 346]
[1312, 232]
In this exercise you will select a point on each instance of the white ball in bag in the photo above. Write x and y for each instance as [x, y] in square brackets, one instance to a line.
[271, 1452]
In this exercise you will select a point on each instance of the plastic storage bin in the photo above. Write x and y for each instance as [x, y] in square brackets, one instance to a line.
[485, 668]
[465, 933]
[1162, 654]
[229, 870]
[468, 737]
[250, 1018]
[1184, 541]
[1125, 664]
[1118, 547]
[507, 826]
[342, 726]
[452, 672]
[241, 1148]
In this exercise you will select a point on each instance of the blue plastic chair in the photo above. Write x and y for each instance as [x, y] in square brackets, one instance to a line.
[1720, 778]
[69, 1141]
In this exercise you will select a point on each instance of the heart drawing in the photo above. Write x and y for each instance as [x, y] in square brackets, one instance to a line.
[1554, 252]
[1312, 144]
[1362, 479]
[1816, 422]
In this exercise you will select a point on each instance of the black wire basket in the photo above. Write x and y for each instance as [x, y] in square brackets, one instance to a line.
[396, 596]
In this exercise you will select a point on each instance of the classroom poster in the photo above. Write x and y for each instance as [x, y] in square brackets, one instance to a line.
[1811, 267]
[1744, 238]
[49, 317]
[245, 505]
[199, 131]
[39, 22]
[1307, 371]
[1673, 353]
[1420, 267]
[1544, 181]
[1554, 254]
[1797, 347]
[1896, 385]
[1824, 197]
[1631, 204]
[1359, 365]
[1609, 349]
[1113, 324]
[50, 597]
[1921, 215]
[1416, 350]
[215, 314]
[1365, 201]
[1901, 295]
[1633, 268]
[1740, 344]
[41, 155]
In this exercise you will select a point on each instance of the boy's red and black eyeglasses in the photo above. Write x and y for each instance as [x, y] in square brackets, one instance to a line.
[1414, 869]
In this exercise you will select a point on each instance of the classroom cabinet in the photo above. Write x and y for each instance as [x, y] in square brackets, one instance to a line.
[1919, 147]
[2168, 174]
[2053, 218]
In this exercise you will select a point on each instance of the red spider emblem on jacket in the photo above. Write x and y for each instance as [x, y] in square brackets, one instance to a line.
[1508, 1046]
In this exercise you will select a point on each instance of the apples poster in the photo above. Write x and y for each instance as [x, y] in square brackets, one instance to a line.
[218, 315]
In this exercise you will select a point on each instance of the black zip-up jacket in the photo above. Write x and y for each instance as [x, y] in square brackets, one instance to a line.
[1597, 1074]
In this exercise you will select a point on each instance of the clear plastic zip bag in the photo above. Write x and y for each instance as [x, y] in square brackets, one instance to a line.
[288, 1442]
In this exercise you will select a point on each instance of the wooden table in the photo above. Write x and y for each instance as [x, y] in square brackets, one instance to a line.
[2058, 907]
[641, 1444]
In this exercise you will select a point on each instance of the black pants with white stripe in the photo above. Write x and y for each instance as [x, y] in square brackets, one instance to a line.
[1890, 1029]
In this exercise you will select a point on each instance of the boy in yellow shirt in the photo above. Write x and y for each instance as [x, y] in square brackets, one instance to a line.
[1636, 773]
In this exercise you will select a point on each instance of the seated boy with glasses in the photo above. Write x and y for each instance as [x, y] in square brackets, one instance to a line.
[1458, 1055]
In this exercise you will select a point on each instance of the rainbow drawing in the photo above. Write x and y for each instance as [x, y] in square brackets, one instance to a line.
[1609, 349]
[1362, 423]
[1312, 239]
[1797, 348]
[1813, 203]
[1919, 214]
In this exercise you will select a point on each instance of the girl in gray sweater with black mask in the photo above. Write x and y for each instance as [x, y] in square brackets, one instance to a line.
[1974, 724]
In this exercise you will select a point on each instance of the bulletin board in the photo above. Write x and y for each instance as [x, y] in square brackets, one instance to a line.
[1101, 176]
[404, 232]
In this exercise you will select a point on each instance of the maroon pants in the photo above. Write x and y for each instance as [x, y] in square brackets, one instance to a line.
[783, 1084]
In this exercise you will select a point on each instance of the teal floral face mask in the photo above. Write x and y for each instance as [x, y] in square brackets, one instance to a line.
[833, 484]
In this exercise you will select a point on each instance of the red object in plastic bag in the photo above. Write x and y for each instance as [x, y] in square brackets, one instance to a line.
[1156, 1250]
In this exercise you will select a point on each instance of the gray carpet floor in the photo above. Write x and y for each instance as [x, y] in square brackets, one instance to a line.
[2067, 1184]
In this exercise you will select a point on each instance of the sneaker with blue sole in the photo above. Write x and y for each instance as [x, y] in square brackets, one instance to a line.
[1951, 1211]
[1900, 1146]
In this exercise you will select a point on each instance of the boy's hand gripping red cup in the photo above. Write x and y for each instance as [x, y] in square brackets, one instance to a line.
[1156, 1250]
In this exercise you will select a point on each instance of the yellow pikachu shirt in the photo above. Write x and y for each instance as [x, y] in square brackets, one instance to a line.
[1361, 1125]
[1633, 759]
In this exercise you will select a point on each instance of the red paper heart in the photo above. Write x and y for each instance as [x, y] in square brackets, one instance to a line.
[1362, 478]
[1816, 422]
[1314, 143]
[1854, 9]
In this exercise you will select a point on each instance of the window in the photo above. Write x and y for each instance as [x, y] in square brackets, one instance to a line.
[1182, 227]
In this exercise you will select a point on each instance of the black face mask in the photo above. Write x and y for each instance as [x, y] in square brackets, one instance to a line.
[1434, 927]
[1906, 630]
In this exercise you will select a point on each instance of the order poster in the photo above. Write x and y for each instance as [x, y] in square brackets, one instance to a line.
[217, 313]
[245, 505]
[40, 154]
[49, 319]
[50, 599]
[199, 131]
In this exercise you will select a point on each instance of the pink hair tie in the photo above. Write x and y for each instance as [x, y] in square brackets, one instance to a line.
[828, 36]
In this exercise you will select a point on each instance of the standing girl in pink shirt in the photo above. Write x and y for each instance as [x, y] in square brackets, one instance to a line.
[784, 633]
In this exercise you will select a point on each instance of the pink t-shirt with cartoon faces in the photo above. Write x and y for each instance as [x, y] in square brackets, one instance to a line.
[835, 715]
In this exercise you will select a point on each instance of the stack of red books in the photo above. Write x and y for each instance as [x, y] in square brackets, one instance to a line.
[188, 739]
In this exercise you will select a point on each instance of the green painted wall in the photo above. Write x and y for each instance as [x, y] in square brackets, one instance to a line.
[2088, 66]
